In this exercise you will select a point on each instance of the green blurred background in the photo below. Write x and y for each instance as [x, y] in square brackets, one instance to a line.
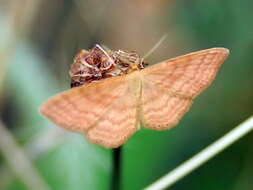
[38, 39]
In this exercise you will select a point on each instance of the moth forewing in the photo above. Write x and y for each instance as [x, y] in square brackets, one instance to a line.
[169, 87]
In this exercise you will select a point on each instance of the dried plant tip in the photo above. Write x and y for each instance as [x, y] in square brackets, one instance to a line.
[99, 63]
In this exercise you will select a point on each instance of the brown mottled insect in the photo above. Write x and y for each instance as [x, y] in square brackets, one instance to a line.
[98, 64]
[115, 92]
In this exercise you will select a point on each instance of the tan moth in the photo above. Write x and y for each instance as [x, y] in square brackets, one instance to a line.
[115, 92]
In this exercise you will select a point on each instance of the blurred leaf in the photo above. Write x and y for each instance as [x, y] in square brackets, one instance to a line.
[77, 165]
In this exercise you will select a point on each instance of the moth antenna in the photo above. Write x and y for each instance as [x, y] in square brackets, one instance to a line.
[155, 46]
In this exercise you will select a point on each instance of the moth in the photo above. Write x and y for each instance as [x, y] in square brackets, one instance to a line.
[114, 93]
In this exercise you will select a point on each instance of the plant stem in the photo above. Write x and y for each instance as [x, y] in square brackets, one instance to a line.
[203, 156]
[116, 171]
